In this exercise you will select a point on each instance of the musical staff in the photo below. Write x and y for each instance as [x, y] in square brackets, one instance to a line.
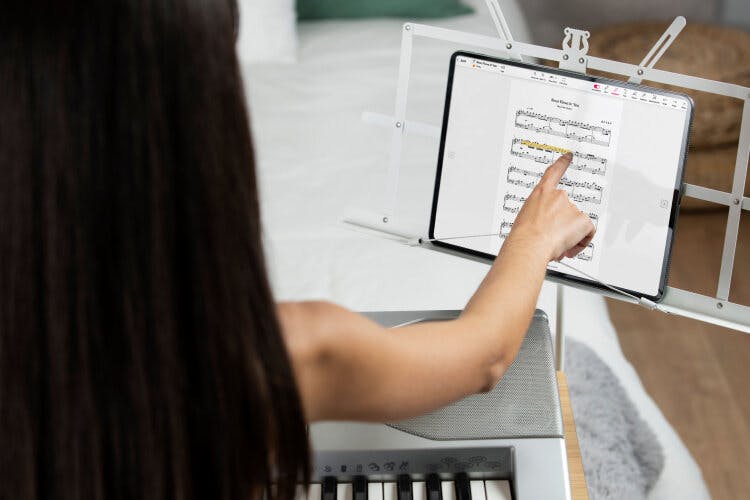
[512, 203]
[514, 197]
[531, 173]
[505, 227]
[587, 253]
[594, 218]
[578, 191]
[546, 154]
[522, 177]
[569, 129]
[522, 183]
[595, 198]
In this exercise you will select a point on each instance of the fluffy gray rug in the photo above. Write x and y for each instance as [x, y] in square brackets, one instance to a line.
[622, 458]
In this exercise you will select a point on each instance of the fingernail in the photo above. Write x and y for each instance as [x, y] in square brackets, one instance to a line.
[568, 155]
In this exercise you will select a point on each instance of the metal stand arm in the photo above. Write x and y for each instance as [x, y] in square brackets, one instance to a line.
[574, 56]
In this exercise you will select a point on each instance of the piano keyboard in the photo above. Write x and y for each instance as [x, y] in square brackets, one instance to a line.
[507, 444]
[433, 487]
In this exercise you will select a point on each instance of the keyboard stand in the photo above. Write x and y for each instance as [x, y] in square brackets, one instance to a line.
[514, 432]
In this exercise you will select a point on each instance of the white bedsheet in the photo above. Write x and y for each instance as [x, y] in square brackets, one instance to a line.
[315, 158]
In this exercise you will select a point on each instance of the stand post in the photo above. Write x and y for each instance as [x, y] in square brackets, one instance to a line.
[559, 335]
[735, 209]
[399, 124]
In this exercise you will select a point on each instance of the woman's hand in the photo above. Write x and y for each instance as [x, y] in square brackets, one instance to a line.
[549, 218]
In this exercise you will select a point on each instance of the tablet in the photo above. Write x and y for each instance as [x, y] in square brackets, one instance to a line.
[505, 122]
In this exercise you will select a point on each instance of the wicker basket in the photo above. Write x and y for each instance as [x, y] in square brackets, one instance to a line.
[713, 52]
[712, 168]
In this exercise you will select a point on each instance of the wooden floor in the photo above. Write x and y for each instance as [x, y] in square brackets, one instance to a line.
[699, 374]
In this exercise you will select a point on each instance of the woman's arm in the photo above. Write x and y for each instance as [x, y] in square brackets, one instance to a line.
[348, 367]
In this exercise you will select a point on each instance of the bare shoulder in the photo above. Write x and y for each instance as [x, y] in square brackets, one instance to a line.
[310, 329]
[316, 316]
[307, 318]
[307, 328]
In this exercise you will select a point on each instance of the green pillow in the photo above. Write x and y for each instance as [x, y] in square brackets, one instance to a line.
[329, 9]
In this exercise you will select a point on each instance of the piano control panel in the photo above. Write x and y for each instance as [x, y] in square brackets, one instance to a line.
[385, 465]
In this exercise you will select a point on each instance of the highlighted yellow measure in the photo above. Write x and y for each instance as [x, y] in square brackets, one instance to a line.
[545, 147]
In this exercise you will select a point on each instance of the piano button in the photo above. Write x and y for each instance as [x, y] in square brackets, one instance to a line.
[360, 488]
[344, 491]
[419, 490]
[449, 490]
[497, 490]
[434, 492]
[477, 490]
[314, 492]
[404, 488]
[390, 492]
[375, 491]
[463, 490]
[329, 488]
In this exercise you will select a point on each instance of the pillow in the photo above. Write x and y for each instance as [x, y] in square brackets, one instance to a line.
[328, 9]
[268, 31]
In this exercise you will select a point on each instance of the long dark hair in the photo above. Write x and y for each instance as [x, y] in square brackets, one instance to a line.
[140, 354]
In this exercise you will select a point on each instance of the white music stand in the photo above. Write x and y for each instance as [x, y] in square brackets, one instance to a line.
[574, 57]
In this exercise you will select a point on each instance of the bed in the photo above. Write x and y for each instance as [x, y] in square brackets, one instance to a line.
[316, 159]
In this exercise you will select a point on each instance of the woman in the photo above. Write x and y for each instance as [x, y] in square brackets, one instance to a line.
[141, 353]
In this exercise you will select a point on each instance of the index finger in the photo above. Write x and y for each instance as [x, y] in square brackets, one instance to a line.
[555, 172]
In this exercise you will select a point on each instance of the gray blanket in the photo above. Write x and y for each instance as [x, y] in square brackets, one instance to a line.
[622, 458]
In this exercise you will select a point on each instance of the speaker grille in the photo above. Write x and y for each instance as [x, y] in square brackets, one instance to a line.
[525, 404]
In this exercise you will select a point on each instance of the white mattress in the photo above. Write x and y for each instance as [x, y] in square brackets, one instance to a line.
[315, 159]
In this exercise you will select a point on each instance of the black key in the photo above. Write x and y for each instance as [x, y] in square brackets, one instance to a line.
[434, 489]
[360, 488]
[404, 487]
[463, 490]
[329, 488]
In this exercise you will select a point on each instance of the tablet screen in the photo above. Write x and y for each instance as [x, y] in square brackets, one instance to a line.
[506, 122]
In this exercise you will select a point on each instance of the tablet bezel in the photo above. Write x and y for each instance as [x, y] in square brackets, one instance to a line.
[679, 176]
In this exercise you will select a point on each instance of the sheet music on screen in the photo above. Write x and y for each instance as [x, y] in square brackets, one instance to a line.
[508, 123]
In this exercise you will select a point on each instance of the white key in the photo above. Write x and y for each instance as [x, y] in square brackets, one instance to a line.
[300, 493]
[477, 490]
[314, 492]
[419, 490]
[390, 491]
[449, 490]
[497, 490]
[374, 491]
[344, 491]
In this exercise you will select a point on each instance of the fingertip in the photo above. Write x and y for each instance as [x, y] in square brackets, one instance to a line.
[556, 171]
[565, 159]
